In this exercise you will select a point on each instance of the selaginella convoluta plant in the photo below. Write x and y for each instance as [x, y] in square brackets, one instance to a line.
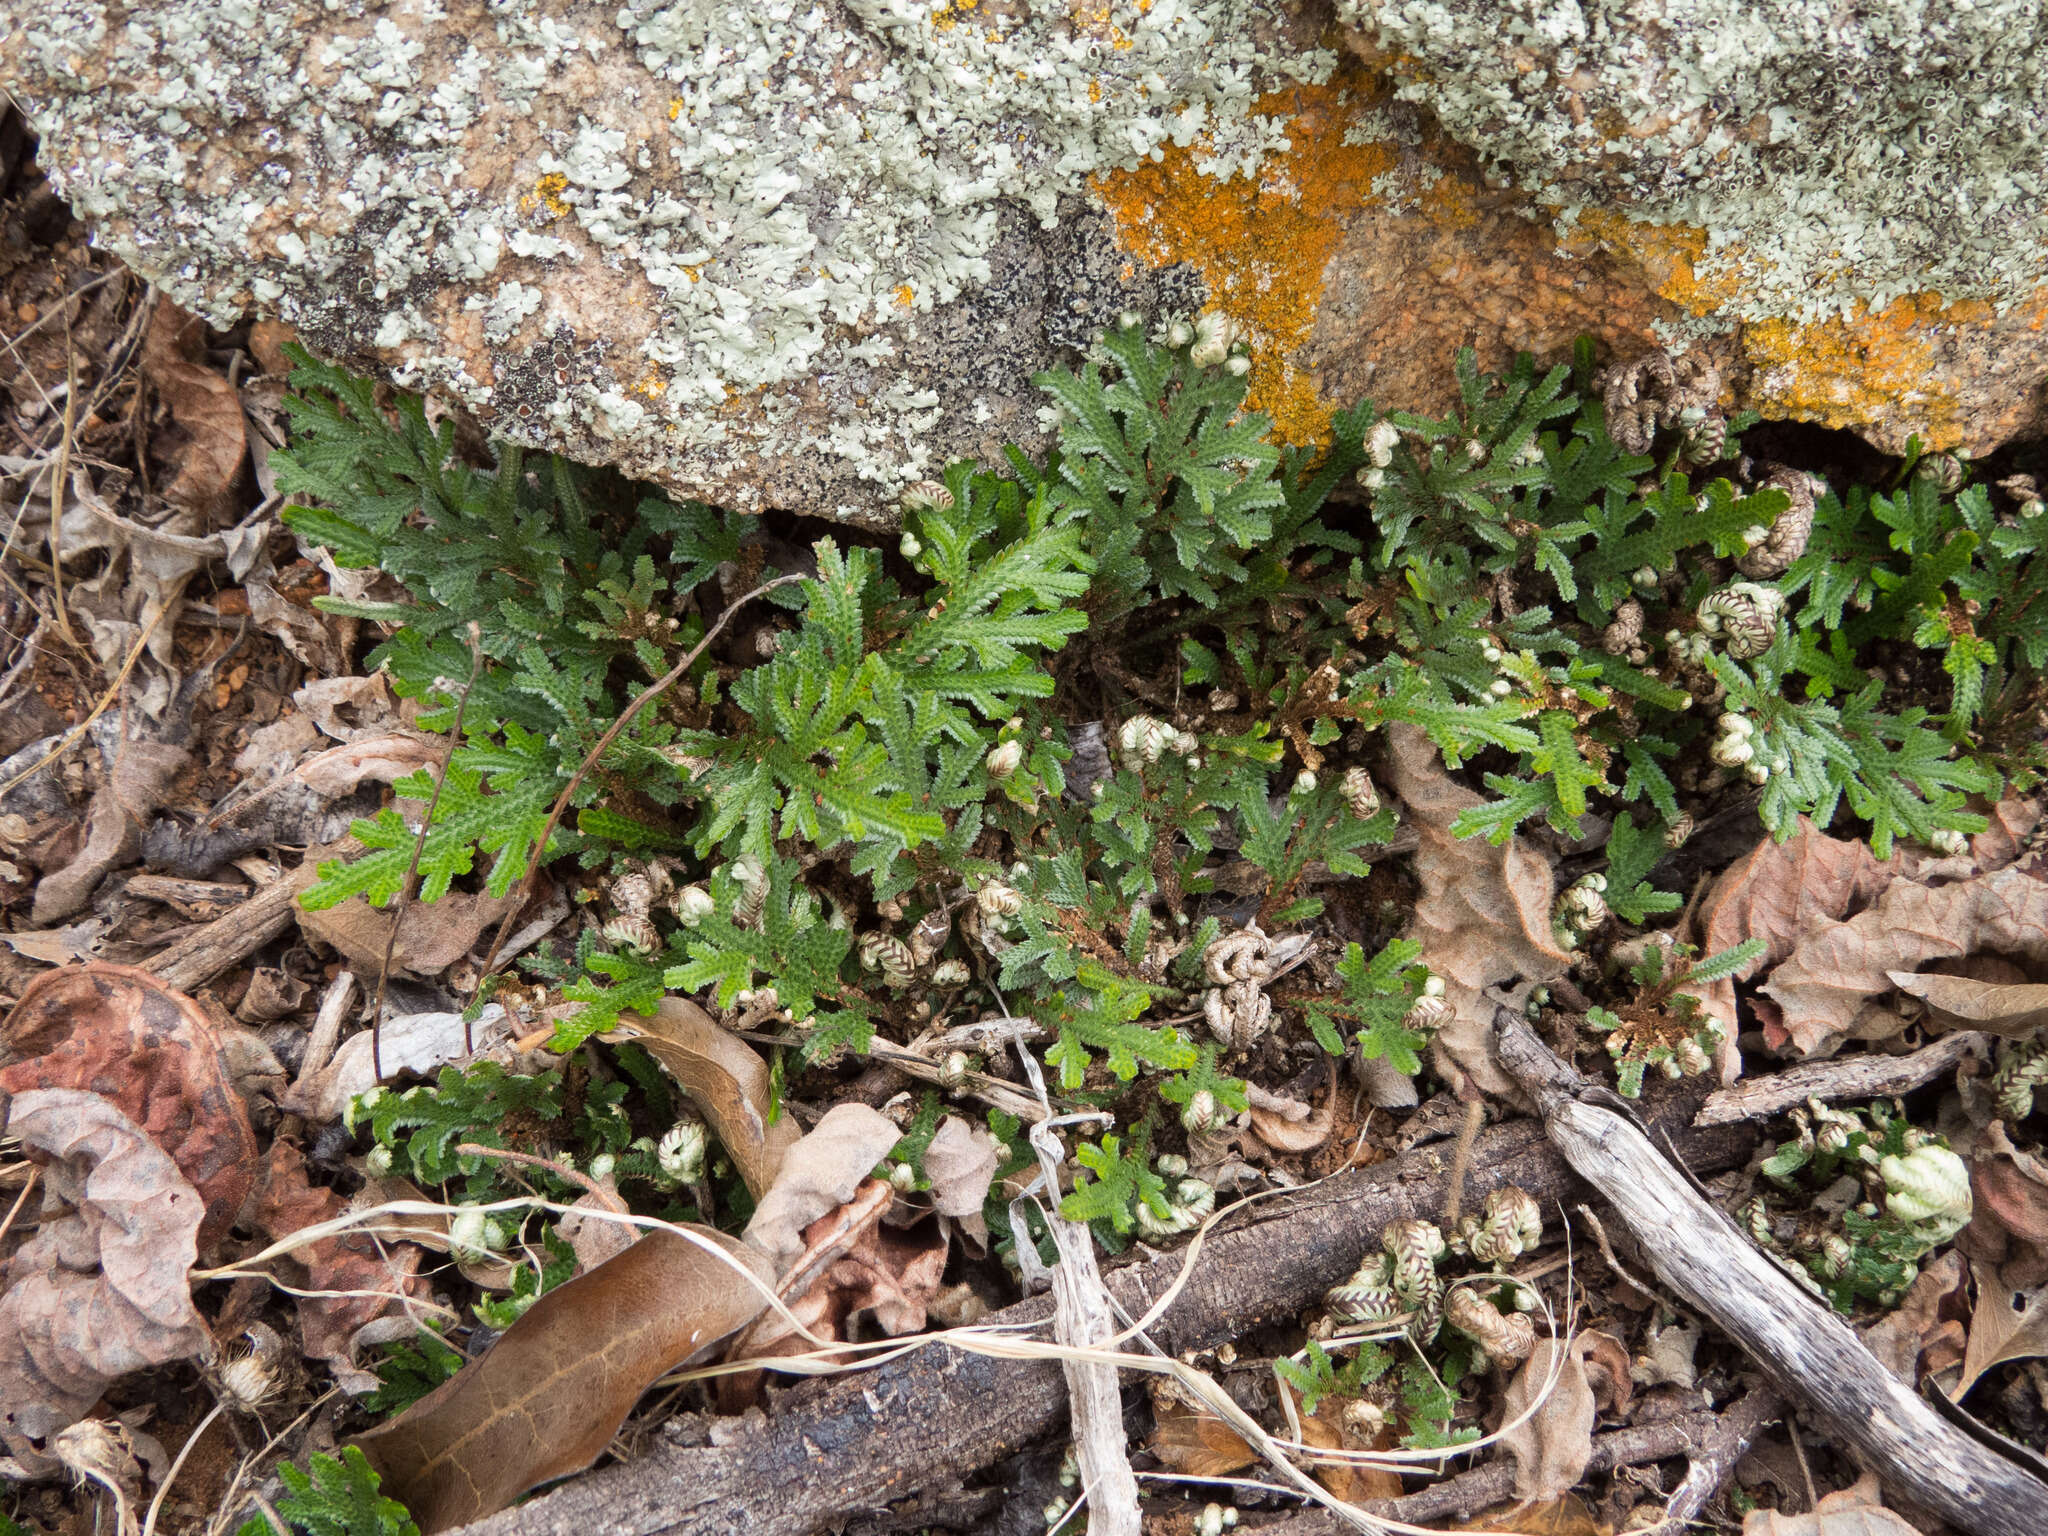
[1094, 740]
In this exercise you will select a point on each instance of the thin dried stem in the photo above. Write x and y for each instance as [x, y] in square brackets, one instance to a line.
[177, 1465]
[19, 1201]
[580, 1179]
[58, 470]
[646, 696]
[412, 868]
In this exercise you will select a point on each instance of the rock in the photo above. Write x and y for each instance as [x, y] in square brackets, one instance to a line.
[800, 256]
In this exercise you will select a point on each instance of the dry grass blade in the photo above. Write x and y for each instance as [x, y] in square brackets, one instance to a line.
[550, 1395]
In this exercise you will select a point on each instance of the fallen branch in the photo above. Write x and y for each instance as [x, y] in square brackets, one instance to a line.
[1843, 1077]
[1701, 1436]
[235, 935]
[1807, 1352]
[860, 1442]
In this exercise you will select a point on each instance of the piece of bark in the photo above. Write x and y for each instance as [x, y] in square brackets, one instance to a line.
[1700, 1436]
[231, 938]
[834, 1449]
[1807, 1352]
[1869, 1076]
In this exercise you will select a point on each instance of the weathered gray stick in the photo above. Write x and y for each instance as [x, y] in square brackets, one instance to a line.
[1844, 1077]
[1807, 1352]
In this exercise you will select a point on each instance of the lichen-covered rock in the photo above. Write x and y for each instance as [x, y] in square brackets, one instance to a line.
[803, 254]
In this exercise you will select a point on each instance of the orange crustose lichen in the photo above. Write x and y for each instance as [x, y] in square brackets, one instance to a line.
[1261, 242]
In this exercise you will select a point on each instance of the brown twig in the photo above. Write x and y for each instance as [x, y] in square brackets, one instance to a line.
[581, 1180]
[19, 1201]
[1807, 1352]
[412, 869]
[646, 696]
[1714, 1455]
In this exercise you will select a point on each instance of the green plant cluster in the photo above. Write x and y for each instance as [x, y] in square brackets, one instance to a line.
[1087, 710]
[1422, 1399]
[1870, 1252]
[339, 1497]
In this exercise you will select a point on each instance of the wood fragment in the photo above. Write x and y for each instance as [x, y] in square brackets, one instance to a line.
[836, 1448]
[197, 900]
[235, 935]
[1868, 1076]
[1806, 1351]
[1714, 1456]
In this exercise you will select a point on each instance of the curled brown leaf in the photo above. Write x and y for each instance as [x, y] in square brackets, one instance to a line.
[117, 1031]
[1484, 913]
[1832, 975]
[352, 1279]
[103, 1286]
[2016, 1010]
[1554, 1443]
[548, 1397]
[725, 1078]
[819, 1174]
[1779, 892]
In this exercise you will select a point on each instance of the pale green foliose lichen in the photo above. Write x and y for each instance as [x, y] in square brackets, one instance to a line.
[641, 229]
[1835, 155]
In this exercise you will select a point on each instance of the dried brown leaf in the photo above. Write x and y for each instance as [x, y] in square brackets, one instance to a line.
[385, 758]
[138, 776]
[1348, 1480]
[593, 1238]
[960, 1163]
[1608, 1370]
[1925, 1328]
[119, 1032]
[1484, 913]
[1187, 1437]
[432, 937]
[370, 1276]
[548, 1397]
[1283, 1134]
[2009, 1197]
[1854, 1511]
[726, 1079]
[2012, 1009]
[1567, 1516]
[1553, 1445]
[2009, 1323]
[210, 441]
[1779, 892]
[1835, 972]
[102, 1288]
[819, 1174]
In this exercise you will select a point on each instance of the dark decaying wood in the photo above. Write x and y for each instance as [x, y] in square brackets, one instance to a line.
[837, 1448]
[1808, 1352]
